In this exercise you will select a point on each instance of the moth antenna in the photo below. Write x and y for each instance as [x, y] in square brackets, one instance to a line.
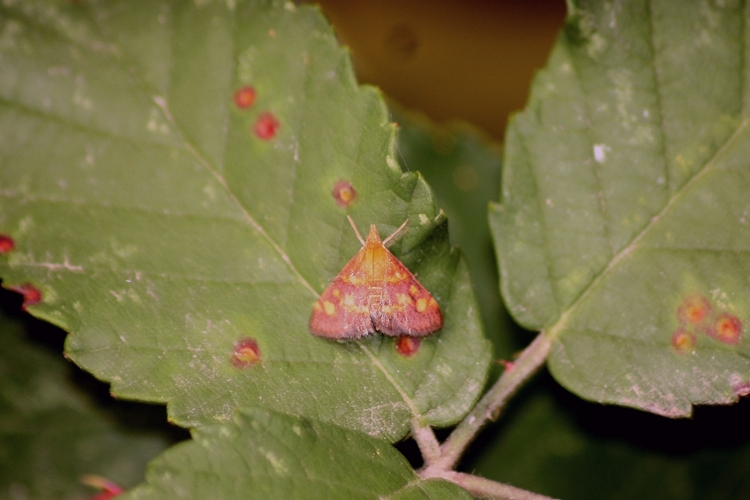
[395, 233]
[356, 231]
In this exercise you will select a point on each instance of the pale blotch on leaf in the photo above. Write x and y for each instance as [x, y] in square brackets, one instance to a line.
[600, 152]
[742, 388]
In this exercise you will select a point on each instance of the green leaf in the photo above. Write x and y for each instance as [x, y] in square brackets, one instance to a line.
[50, 435]
[163, 231]
[623, 230]
[264, 454]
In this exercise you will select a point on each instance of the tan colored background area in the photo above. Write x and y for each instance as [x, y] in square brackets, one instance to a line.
[469, 60]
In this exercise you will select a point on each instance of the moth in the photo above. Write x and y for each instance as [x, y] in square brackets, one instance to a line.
[375, 292]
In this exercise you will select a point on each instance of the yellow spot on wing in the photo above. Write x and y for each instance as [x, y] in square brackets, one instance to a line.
[348, 303]
[404, 299]
[353, 280]
[421, 304]
[329, 308]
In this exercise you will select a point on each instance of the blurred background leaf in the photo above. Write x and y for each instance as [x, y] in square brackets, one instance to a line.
[52, 429]
[263, 454]
[553, 443]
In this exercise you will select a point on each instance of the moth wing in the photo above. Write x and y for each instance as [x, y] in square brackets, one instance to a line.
[342, 311]
[406, 307]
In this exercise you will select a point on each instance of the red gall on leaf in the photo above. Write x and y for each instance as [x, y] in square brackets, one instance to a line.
[108, 488]
[375, 292]
[246, 353]
[683, 341]
[244, 97]
[694, 309]
[344, 193]
[407, 346]
[727, 329]
[31, 294]
[266, 126]
[7, 244]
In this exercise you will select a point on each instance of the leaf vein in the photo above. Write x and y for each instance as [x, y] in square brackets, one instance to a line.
[555, 329]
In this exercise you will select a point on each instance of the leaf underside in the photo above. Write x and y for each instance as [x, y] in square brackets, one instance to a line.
[624, 225]
[165, 233]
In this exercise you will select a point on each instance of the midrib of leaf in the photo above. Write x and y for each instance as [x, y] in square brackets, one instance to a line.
[375, 361]
[164, 107]
[162, 104]
[555, 330]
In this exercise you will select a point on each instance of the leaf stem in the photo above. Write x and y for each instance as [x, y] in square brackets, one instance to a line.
[480, 487]
[530, 360]
[425, 438]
